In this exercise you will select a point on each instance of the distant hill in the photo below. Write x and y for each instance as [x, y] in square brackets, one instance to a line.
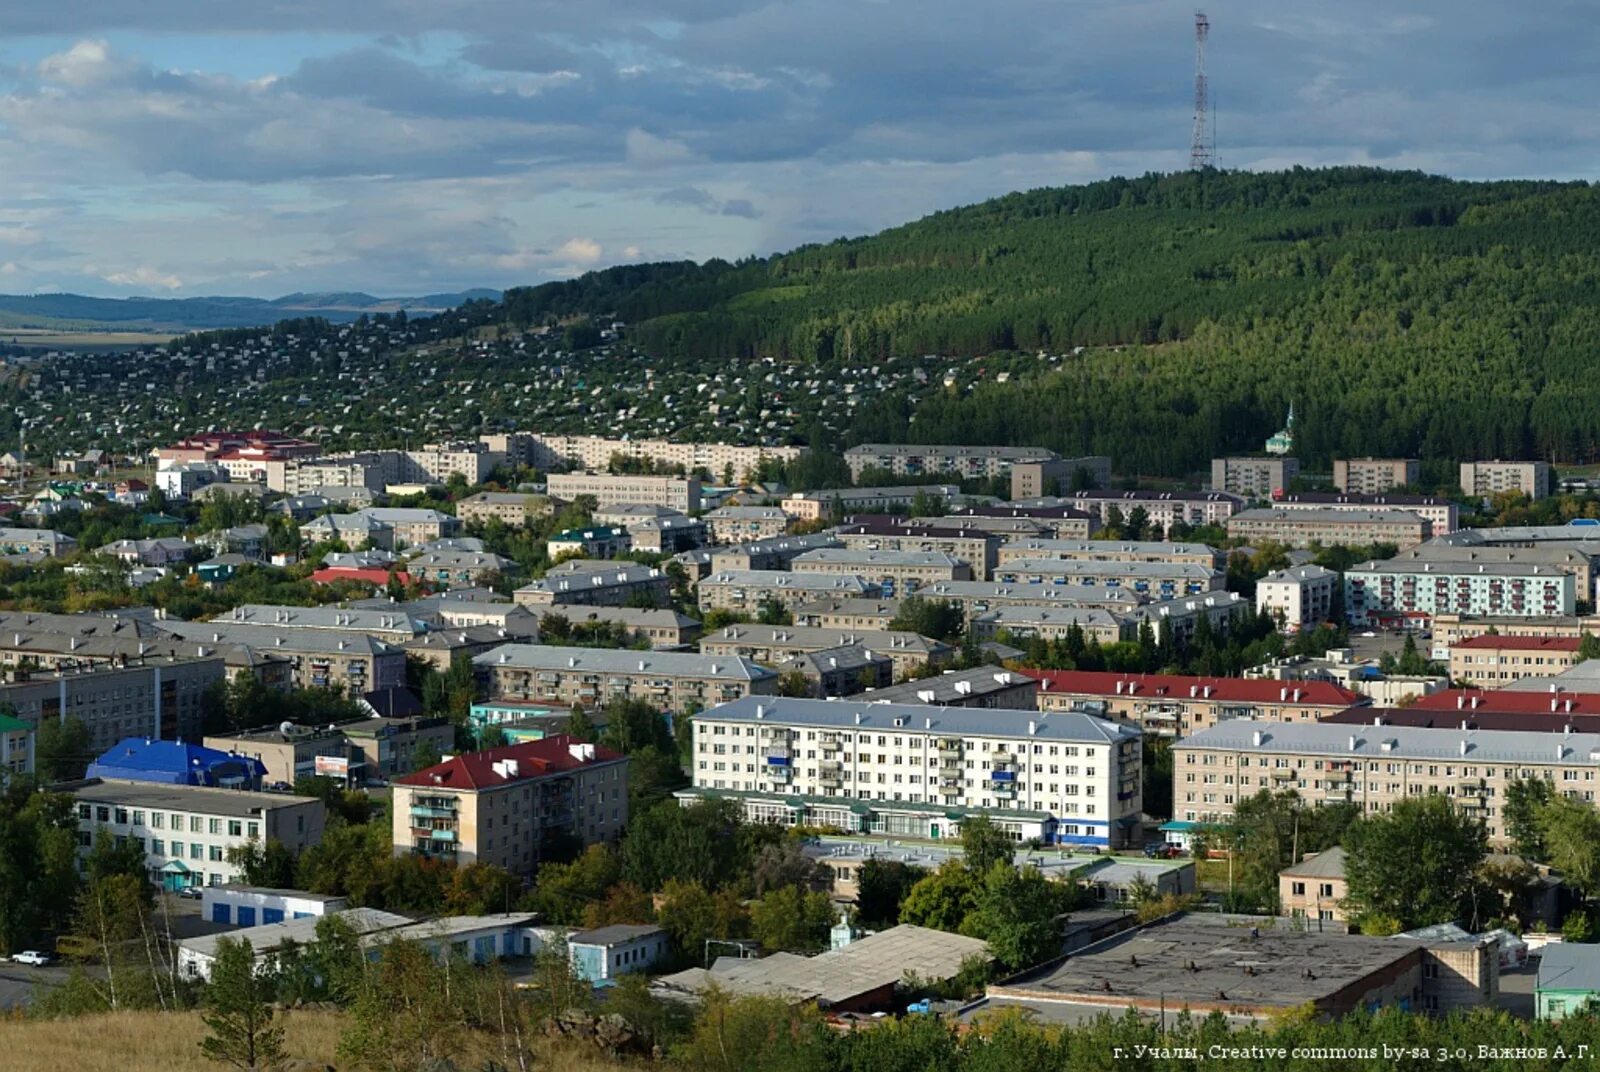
[1402, 314]
[194, 314]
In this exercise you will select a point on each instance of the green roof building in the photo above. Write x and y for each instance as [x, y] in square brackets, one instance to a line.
[16, 747]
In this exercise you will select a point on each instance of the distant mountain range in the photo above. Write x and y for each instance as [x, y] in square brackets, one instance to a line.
[77, 311]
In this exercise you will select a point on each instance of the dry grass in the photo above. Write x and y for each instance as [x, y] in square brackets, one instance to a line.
[170, 1042]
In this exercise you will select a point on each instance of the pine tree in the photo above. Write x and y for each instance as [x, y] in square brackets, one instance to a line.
[239, 1011]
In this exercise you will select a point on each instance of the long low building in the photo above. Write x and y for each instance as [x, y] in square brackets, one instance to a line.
[874, 614]
[971, 544]
[592, 676]
[1329, 527]
[770, 644]
[965, 462]
[1577, 559]
[679, 493]
[318, 658]
[773, 554]
[898, 769]
[1372, 766]
[1052, 623]
[747, 590]
[1163, 509]
[1389, 590]
[1495, 661]
[158, 698]
[977, 686]
[1444, 515]
[834, 503]
[1177, 705]
[1198, 554]
[1152, 580]
[1451, 629]
[895, 572]
[1055, 522]
[597, 583]
[980, 597]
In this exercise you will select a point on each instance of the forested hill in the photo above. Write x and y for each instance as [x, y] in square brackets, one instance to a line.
[1401, 313]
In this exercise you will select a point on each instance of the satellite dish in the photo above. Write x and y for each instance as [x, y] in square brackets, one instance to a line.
[286, 728]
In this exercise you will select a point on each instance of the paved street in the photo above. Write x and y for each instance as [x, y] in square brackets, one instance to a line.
[19, 982]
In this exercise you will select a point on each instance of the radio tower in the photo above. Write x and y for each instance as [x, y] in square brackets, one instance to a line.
[1202, 149]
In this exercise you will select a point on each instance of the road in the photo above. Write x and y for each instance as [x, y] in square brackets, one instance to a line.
[19, 982]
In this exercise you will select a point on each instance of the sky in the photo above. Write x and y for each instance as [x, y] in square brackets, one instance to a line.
[404, 147]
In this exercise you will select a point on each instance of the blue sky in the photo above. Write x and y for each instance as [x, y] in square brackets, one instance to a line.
[408, 146]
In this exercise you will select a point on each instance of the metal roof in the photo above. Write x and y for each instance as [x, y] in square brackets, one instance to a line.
[1570, 967]
[861, 712]
[1395, 742]
[603, 661]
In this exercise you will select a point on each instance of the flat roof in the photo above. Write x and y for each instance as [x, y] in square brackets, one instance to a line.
[860, 712]
[1395, 742]
[615, 933]
[1570, 967]
[1206, 962]
[208, 800]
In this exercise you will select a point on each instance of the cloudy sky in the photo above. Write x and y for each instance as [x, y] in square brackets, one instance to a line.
[409, 146]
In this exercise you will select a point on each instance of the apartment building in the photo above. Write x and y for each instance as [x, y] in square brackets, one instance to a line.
[186, 831]
[979, 597]
[303, 476]
[598, 541]
[973, 545]
[1198, 554]
[290, 751]
[1254, 478]
[1341, 528]
[1051, 623]
[895, 572]
[1495, 661]
[1374, 476]
[680, 493]
[391, 528]
[590, 582]
[835, 503]
[513, 509]
[1485, 479]
[1298, 597]
[1394, 590]
[1181, 616]
[160, 698]
[1444, 515]
[665, 629]
[1375, 766]
[1451, 629]
[17, 752]
[17, 541]
[1175, 705]
[1315, 887]
[1058, 476]
[965, 463]
[747, 590]
[317, 658]
[459, 569]
[1163, 509]
[1015, 521]
[1149, 580]
[847, 613]
[843, 671]
[436, 463]
[441, 648]
[978, 686]
[772, 644]
[773, 554]
[910, 770]
[505, 806]
[669, 535]
[205, 446]
[740, 524]
[383, 623]
[543, 451]
[1576, 559]
[592, 677]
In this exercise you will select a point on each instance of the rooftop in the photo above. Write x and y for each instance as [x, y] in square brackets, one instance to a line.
[507, 765]
[1493, 642]
[1328, 516]
[191, 798]
[614, 934]
[857, 557]
[813, 582]
[604, 661]
[1570, 967]
[1395, 742]
[862, 712]
[1068, 567]
[952, 686]
[1329, 864]
[1177, 686]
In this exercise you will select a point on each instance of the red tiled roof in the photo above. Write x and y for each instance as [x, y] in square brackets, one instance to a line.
[1520, 643]
[534, 759]
[1107, 683]
[1469, 701]
[333, 574]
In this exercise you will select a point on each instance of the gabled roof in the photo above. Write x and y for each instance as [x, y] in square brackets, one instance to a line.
[1177, 686]
[1476, 701]
[487, 769]
[1329, 864]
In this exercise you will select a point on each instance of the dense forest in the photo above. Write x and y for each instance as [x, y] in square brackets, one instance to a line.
[1401, 314]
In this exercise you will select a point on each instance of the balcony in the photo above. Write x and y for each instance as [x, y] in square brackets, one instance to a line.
[831, 777]
[831, 744]
[432, 813]
[949, 790]
[1282, 775]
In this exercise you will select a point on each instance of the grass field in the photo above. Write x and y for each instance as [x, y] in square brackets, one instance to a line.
[170, 1042]
[43, 339]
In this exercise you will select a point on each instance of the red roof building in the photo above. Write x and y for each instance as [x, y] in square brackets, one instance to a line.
[1178, 705]
[503, 806]
[1543, 721]
[378, 577]
[1470, 702]
[1492, 660]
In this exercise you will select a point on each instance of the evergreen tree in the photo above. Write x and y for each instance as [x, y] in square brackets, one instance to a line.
[239, 1012]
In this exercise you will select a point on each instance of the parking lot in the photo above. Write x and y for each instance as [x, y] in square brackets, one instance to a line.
[19, 982]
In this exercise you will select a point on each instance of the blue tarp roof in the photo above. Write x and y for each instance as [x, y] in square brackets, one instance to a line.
[142, 759]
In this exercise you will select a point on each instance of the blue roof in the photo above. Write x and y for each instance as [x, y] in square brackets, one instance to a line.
[1181, 826]
[142, 759]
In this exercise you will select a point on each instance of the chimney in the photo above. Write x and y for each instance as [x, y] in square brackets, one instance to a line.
[1256, 738]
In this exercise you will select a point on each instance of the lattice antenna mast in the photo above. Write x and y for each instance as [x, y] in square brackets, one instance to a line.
[1202, 147]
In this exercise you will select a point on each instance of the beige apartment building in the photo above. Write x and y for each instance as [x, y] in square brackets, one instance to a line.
[1163, 508]
[836, 503]
[1374, 766]
[1013, 522]
[510, 508]
[741, 524]
[665, 629]
[546, 452]
[1443, 514]
[1374, 476]
[317, 658]
[848, 613]
[747, 590]
[1147, 580]
[504, 806]
[773, 644]
[1450, 630]
[1348, 528]
[1096, 625]
[979, 597]
[161, 698]
[972, 544]
[1176, 705]
[1054, 476]
[1496, 661]
[1298, 597]
[1253, 478]
[679, 493]
[1315, 888]
[1484, 479]
[1198, 554]
[935, 459]
[596, 583]
[903, 571]
[592, 676]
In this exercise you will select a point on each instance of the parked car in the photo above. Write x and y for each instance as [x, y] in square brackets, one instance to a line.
[32, 956]
[191, 893]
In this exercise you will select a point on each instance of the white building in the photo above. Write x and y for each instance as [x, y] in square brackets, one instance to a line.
[1298, 597]
[237, 905]
[1378, 590]
[902, 769]
[186, 831]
